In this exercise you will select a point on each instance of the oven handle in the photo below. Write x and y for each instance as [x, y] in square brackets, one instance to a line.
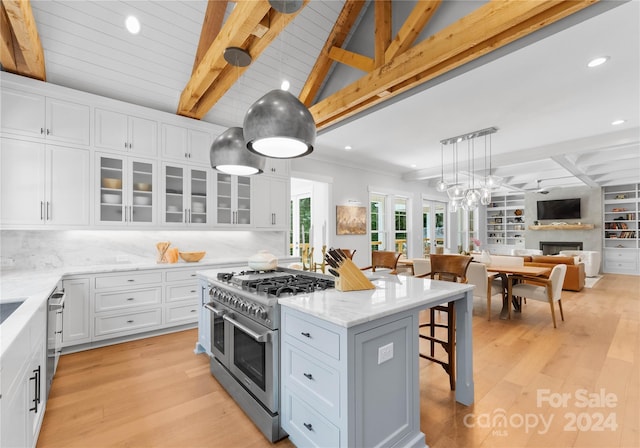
[214, 311]
[258, 337]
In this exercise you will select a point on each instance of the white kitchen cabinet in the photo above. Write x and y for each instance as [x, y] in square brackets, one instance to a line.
[33, 115]
[621, 229]
[204, 320]
[185, 198]
[125, 193]
[277, 167]
[270, 202]
[76, 323]
[44, 184]
[185, 144]
[181, 296]
[233, 200]
[128, 133]
[23, 384]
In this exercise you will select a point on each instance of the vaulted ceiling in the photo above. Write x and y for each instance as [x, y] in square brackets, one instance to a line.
[358, 65]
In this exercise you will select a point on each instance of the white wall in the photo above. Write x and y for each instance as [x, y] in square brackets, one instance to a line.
[350, 186]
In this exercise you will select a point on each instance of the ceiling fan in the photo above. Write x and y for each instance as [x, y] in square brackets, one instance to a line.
[541, 189]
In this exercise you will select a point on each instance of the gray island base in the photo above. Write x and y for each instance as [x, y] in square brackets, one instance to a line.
[350, 374]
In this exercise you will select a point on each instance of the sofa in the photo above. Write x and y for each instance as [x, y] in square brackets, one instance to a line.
[575, 276]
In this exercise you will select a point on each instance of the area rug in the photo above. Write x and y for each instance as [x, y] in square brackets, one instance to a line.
[590, 282]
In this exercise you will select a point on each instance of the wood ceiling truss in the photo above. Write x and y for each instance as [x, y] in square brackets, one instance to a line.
[491, 26]
[21, 50]
[214, 76]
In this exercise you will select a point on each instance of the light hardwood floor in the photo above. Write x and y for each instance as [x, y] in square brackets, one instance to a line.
[531, 385]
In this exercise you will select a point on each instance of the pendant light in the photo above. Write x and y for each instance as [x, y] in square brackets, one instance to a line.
[455, 191]
[278, 125]
[485, 191]
[492, 181]
[441, 186]
[229, 154]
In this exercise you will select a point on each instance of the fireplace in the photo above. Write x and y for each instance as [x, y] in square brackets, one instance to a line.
[554, 247]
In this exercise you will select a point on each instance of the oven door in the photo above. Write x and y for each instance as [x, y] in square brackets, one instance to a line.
[255, 358]
[219, 337]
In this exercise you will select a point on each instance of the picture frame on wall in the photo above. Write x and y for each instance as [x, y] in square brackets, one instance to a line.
[351, 220]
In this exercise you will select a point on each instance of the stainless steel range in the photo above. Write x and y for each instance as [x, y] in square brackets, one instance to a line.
[245, 338]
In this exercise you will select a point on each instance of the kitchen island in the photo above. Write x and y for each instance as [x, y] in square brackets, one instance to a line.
[350, 372]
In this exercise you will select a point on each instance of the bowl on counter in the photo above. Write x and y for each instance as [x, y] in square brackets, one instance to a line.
[141, 200]
[192, 257]
[142, 186]
[109, 182]
[109, 198]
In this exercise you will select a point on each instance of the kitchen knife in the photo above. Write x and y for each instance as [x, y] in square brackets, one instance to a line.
[334, 272]
[330, 261]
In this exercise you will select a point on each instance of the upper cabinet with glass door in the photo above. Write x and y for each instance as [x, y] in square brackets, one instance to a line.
[126, 194]
[233, 200]
[185, 196]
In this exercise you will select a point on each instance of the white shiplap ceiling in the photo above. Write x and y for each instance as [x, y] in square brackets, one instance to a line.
[553, 114]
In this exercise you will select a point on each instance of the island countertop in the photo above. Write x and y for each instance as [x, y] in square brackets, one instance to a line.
[392, 294]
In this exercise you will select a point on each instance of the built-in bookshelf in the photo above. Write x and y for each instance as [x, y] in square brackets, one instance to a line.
[621, 207]
[505, 221]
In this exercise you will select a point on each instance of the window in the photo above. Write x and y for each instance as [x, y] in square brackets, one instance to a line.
[377, 221]
[301, 222]
[400, 218]
[433, 226]
[467, 230]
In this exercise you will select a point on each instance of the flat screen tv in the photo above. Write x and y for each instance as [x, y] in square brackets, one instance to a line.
[559, 209]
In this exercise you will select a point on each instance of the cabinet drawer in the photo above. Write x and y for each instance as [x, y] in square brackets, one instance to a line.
[318, 383]
[313, 335]
[620, 267]
[108, 301]
[182, 314]
[180, 275]
[621, 256]
[128, 280]
[127, 323]
[307, 427]
[182, 292]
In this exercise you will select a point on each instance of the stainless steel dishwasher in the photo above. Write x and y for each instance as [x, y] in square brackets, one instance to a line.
[54, 333]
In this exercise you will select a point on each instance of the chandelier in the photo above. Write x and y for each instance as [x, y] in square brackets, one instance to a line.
[468, 196]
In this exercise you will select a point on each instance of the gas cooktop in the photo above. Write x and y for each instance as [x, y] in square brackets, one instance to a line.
[276, 282]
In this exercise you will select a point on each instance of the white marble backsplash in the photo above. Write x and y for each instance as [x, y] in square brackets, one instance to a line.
[52, 249]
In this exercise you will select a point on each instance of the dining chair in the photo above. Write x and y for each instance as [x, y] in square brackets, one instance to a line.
[485, 285]
[349, 253]
[451, 268]
[421, 267]
[384, 259]
[538, 288]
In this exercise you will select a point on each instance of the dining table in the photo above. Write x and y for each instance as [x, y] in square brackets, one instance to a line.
[504, 272]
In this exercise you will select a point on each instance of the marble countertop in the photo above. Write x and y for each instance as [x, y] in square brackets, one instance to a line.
[393, 294]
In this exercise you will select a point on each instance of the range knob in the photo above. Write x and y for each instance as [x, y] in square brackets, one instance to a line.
[261, 313]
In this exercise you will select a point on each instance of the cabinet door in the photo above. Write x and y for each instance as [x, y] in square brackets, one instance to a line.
[67, 122]
[142, 199]
[233, 200]
[110, 201]
[277, 167]
[198, 203]
[174, 142]
[174, 202]
[270, 202]
[225, 213]
[111, 130]
[143, 136]
[243, 200]
[22, 165]
[23, 113]
[68, 186]
[75, 318]
[199, 146]
[14, 408]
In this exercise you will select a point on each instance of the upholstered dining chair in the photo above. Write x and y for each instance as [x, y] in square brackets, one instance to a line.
[384, 259]
[421, 267]
[451, 268]
[542, 289]
[484, 285]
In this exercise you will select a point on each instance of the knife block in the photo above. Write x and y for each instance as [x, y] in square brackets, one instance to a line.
[351, 278]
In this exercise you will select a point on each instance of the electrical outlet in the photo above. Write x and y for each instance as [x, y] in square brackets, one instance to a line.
[385, 353]
[122, 258]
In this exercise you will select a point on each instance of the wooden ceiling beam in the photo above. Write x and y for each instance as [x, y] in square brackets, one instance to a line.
[255, 46]
[412, 27]
[352, 59]
[337, 37]
[211, 26]
[7, 52]
[28, 55]
[383, 31]
[491, 26]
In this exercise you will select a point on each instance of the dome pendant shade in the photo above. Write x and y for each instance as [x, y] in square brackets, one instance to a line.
[286, 6]
[230, 155]
[278, 125]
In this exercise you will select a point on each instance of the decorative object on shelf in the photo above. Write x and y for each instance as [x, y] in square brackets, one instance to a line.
[192, 257]
[278, 125]
[517, 212]
[476, 242]
[470, 196]
[162, 248]
[621, 196]
[229, 154]
[498, 220]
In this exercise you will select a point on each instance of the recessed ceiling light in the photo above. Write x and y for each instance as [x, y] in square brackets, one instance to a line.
[597, 61]
[617, 122]
[348, 148]
[413, 165]
[285, 85]
[133, 24]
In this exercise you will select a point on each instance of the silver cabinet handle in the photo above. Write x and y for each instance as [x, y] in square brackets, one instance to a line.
[48, 132]
[48, 211]
[215, 312]
[41, 210]
[41, 131]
